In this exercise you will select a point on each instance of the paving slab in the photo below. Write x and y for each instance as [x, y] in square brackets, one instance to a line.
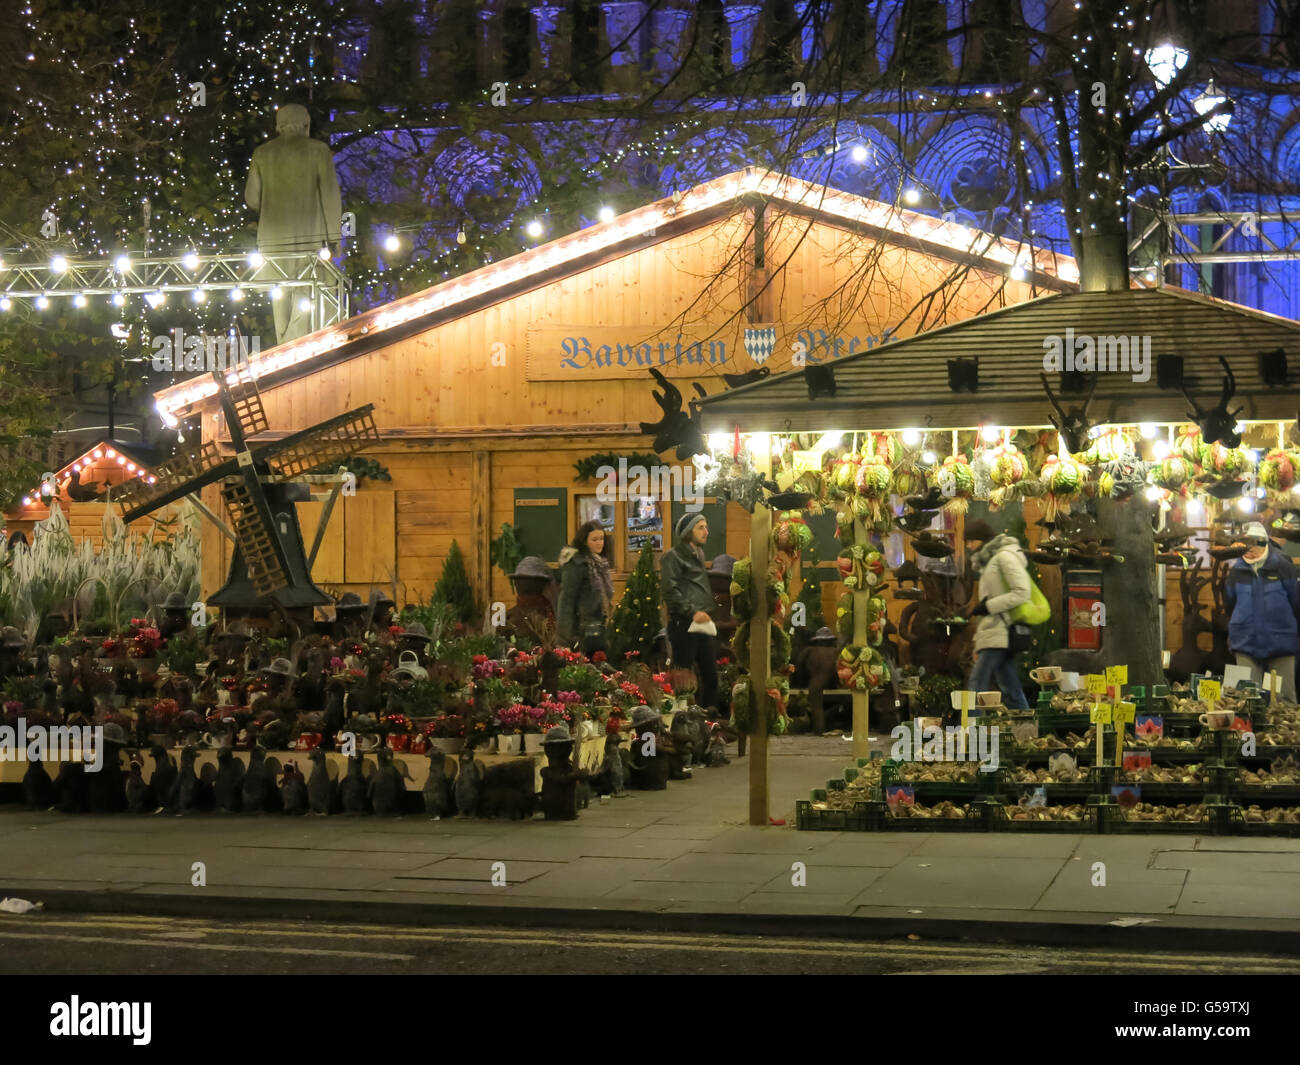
[1014, 883]
[480, 869]
[589, 878]
[1129, 888]
[1281, 844]
[997, 844]
[1262, 894]
[869, 848]
[753, 839]
[679, 891]
[742, 869]
[1244, 863]
[842, 882]
[768, 902]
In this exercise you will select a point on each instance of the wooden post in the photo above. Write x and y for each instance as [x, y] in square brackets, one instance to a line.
[861, 699]
[480, 523]
[760, 654]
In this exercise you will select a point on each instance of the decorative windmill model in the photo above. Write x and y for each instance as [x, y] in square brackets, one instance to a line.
[269, 567]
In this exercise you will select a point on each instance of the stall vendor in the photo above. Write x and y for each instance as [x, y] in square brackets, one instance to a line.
[1263, 599]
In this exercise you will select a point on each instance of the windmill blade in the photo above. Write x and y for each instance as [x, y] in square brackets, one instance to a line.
[252, 521]
[246, 398]
[324, 445]
[180, 475]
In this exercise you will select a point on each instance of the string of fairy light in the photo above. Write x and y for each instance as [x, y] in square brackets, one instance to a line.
[278, 61]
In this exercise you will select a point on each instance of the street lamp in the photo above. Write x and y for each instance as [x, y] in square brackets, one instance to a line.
[1165, 62]
[1207, 102]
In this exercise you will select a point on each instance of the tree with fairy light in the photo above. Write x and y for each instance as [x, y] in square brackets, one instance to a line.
[636, 620]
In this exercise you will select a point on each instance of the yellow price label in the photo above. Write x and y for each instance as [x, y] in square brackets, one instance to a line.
[1096, 684]
[1101, 714]
[1117, 675]
[1209, 691]
[1124, 713]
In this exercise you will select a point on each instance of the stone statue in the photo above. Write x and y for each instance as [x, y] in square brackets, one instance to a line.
[295, 192]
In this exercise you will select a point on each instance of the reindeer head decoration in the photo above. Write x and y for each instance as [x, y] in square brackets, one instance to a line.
[1218, 424]
[1072, 424]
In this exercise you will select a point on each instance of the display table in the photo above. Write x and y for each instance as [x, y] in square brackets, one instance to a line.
[590, 752]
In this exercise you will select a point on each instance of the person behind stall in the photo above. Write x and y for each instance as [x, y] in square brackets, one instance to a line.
[1003, 572]
[586, 590]
[1263, 599]
[689, 598]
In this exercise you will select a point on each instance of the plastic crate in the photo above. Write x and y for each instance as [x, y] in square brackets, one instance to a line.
[808, 819]
[1001, 818]
[1266, 794]
[1113, 819]
[883, 820]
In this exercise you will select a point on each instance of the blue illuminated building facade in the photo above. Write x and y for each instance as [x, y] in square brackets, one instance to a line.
[915, 116]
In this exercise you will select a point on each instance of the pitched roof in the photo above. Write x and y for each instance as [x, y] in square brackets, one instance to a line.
[904, 384]
[646, 225]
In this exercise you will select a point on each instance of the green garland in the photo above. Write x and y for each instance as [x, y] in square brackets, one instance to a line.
[587, 468]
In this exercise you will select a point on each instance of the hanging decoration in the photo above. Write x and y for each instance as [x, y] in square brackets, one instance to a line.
[1063, 478]
[1277, 473]
[956, 481]
[1007, 470]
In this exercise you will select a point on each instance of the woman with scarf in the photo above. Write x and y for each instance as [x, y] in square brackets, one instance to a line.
[586, 591]
[1003, 573]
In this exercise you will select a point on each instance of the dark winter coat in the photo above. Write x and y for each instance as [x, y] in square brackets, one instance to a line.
[583, 602]
[1262, 607]
[685, 580]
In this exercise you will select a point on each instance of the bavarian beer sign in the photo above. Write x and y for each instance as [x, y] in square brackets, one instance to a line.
[588, 352]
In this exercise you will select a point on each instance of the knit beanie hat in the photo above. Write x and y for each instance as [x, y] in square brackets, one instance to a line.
[686, 523]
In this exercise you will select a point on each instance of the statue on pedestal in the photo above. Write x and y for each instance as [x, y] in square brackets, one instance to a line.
[295, 192]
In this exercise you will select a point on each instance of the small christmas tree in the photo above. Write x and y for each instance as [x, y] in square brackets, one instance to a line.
[636, 618]
[453, 586]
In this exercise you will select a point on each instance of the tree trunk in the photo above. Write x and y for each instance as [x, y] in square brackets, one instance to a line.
[1131, 635]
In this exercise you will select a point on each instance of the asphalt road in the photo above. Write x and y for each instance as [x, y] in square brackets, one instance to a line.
[122, 945]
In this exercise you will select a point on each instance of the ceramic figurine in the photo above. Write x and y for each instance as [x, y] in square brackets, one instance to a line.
[228, 787]
[468, 789]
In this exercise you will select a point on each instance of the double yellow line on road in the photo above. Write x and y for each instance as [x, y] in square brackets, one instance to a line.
[145, 929]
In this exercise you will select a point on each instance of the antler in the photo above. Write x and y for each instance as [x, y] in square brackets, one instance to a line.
[1052, 399]
[1196, 413]
[1229, 383]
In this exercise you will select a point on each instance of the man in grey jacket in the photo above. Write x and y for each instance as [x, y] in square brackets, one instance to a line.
[1004, 584]
[689, 599]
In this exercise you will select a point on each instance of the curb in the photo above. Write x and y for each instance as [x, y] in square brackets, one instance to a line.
[1262, 938]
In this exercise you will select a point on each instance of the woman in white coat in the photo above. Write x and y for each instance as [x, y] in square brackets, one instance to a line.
[1004, 584]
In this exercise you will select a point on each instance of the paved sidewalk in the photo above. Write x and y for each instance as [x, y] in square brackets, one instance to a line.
[686, 851]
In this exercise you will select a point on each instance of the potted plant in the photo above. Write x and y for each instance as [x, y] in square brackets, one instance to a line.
[161, 721]
[447, 733]
[510, 727]
[533, 723]
[397, 731]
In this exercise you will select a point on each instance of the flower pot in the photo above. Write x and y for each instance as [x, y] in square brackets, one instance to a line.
[532, 742]
[450, 744]
[419, 745]
[399, 741]
[508, 743]
[303, 742]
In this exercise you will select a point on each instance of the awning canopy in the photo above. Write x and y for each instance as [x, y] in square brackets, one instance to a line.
[905, 384]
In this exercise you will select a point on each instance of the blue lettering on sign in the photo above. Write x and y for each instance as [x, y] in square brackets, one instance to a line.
[819, 346]
[572, 348]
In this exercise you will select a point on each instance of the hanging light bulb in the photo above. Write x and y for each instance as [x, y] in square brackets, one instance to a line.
[1160, 449]
[605, 214]
[190, 261]
[911, 437]
[929, 458]
[59, 264]
[255, 259]
[392, 242]
[534, 229]
[199, 296]
[42, 303]
[122, 264]
[911, 197]
[118, 299]
[79, 300]
[1147, 430]
[324, 253]
[236, 294]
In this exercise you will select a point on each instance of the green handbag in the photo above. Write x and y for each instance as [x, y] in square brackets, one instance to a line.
[1033, 611]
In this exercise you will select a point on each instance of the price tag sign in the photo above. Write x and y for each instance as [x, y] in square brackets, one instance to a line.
[1273, 682]
[1096, 684]
[1210, 691]
[1100, 714]
[1116, 675]
[1124, 713]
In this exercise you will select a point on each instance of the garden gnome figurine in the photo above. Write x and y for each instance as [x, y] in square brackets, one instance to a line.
[295, 192]
[559, 778]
